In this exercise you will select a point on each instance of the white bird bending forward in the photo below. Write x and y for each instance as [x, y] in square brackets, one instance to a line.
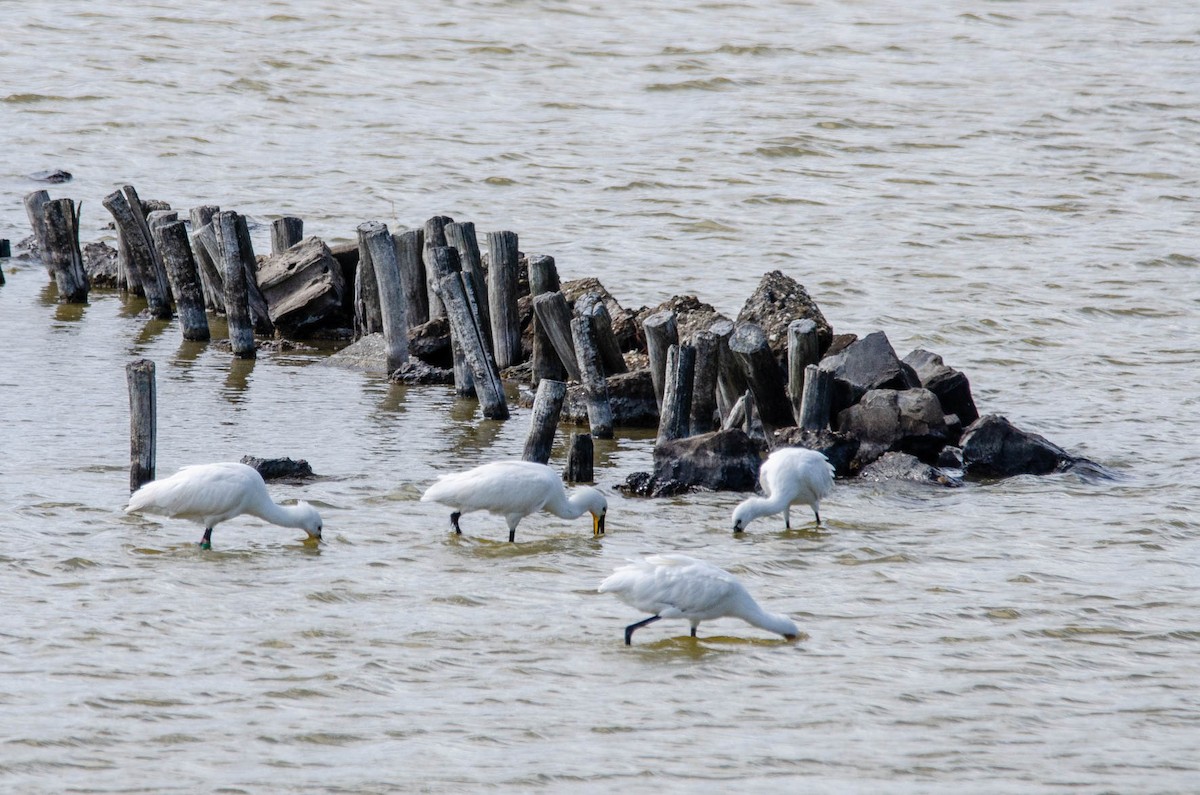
[676, 586]
[211, 493]
[515, 489]
[790, 475]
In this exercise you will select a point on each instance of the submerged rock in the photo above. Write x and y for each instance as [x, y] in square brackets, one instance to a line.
[100, 263]
[902, 466]
[721, 461]
[415, 371]
[994, 447]
[644, 484]
[275, 468]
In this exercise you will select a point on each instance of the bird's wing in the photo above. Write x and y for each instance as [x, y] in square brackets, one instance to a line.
[501, 487]
[671, 585]
[200, 491]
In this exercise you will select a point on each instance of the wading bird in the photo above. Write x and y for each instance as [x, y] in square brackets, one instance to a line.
[515, 489]
[676, 586]
[208, 494]
[789, 476]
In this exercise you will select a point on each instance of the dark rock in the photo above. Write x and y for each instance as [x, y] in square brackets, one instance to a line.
[840, 343]
[430, 342]
[415, 371]
[839, 448]
[100, 262]
[951, 386]
[994, 447]
[691, 315]
[721, 461]
[869, 363]
[909, 421]
[777, 301]
[275, 468]
[902, 466]
[630, 396]
[302, 286]
[644, 484]
[950, 458]
[55, 176]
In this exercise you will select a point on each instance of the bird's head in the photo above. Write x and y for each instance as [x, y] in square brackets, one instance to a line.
[310, 520]
[597, 505]
[742, 516]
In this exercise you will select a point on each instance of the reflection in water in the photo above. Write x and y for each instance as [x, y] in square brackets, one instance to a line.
[70, 313]
[151, 331]
[393, 399]
[238, 379]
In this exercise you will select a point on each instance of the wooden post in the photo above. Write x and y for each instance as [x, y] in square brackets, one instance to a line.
[285, 233]
[435, 238]
[237, 301]
[62, 255]
[461, 237]
[595, 387]
[35, 209]
[580, 468]
[443, 261]
[547, 408]
[143, 422]
[463, 324]
[502, 298]
[374, 237]
[258, 304]
[543, 278]
[555, 317]
[204, 247]
[156, 267]
[803, 350]
[764, 376]
[703, 416]
[142, 255]
[591, 307]
[677, 393]
[5, 250]
[368, 316]
[172, 242]
[410, 258]
[662, 332]
[739, 413]
[731, 384]
[817, 398]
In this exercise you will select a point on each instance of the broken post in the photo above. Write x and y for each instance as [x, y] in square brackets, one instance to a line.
[374, 237]
[543, 278]
[443, 261]
[703, 416]
[368, 316]
[141, 253]
[461, 237]
[764, 377]
[731, 384]
[159, 271]
[595, 388]
[410, 259]
[204, 245]
[502, 298]
[817, 398]
[259, 313]
[237, 301]
[591, 307]
[464, 325]
[435, 237]
[285, 233]
[62, 255]
[143, 421]
[662, 331]
[552, 312]
[580, 467]
[35, 209]
[172, 242]
[803, 349]
[677, 393]
[543, 422]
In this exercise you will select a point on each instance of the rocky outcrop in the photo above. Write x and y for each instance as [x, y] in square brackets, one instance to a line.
[902, 466]
[415, 371]
[863, 365]
[777, 301]
[644, 484]
[721, 461]
[951, 386]
[909, 421]
[691, 315]
[625, 326]
[302, 286]
[995, 448]
[278, 468]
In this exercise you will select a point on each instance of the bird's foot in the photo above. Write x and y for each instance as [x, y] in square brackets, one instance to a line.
[205, 544]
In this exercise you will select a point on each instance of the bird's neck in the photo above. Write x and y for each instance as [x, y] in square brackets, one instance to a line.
[282, 515]
[766, 506]
[567, 507]
[751, 613]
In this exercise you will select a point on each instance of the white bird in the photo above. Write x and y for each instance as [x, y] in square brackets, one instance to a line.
[790, 475]
[211, 493]
[515, 489]
[677, 586]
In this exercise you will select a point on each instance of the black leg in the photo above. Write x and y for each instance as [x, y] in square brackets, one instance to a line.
[454, 521]
[629, 629]
[206, 542]
[817, 514]
[512, 534]
[693, 632]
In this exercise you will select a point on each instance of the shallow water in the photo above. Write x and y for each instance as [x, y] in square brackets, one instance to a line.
[1013, 186]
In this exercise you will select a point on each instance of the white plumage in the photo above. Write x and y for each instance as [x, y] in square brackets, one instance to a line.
[789, 476]
[209, 494]
[677, 586]
[515, 489]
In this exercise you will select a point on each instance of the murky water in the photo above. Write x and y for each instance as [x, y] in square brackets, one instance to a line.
[1013, 185]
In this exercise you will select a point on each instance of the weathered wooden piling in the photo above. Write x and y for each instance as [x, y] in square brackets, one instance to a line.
[443, 261]
[678, 376]
[543, 422]
[62, 254]
[803, 349]
[502, 298]
[703, 415]
[543, 278]
[260, 315]
[368, 316]
[731, 384]
[599, 410]
[543, 274]
[172, 242]
[580, 459]
[237, 301]
[452, 288]
[138, 209]
[142, 256]
[143, 422]
[285, 233]
[764, 376]
[435, 237]
[817, 398]
[662, 331]
[410, 257]
[5, 250]
[35, 210]
[554, 315]
[460, 235]
[375, 238]
[204, 247]
[591, 307]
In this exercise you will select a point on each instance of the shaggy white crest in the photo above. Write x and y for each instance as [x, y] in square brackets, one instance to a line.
[789, 476]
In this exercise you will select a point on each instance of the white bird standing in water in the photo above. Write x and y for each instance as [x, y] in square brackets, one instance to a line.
[676, 586]
[790, 475]
[211, 493]
[515, 489]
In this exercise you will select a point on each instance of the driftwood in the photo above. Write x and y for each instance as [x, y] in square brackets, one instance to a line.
[543, 422]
